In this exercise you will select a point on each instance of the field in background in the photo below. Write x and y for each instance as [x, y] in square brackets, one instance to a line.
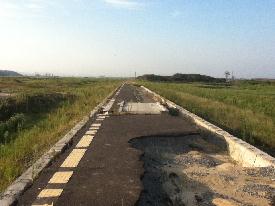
[35, 113]
[245, 109]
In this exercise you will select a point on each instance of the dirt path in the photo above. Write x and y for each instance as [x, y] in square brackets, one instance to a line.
[152, 160]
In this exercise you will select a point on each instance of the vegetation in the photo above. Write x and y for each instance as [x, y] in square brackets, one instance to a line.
[38, 113]
[10, 126]
[180, 78]
[245, 108]
[7, 73]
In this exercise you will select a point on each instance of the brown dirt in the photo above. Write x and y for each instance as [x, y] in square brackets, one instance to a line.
[189, 170]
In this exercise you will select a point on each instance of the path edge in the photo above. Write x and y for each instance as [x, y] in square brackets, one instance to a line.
[239, 150]
[22, 183]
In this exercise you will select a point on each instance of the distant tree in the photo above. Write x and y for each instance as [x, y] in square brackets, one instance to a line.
[181, 78]
[227, 75]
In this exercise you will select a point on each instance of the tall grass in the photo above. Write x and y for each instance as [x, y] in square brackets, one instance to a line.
[244, 110]
[12, 125]
[30, 143]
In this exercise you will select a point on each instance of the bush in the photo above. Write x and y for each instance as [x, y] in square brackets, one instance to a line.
[32, 103]
[10, 126]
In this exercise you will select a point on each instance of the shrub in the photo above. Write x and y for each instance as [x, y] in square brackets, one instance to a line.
[10, 126]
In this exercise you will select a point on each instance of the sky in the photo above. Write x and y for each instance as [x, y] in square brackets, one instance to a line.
[121, 37]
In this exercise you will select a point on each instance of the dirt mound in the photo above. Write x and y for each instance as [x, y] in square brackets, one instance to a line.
[189, 170]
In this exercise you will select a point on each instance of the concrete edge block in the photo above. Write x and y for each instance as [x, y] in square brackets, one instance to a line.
[239, 150]
[24, 181]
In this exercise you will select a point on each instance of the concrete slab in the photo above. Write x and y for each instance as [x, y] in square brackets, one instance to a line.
[143, 108]
[50, 193]
[74, 158]
[108, 106]
[61, 177]
[85, 141]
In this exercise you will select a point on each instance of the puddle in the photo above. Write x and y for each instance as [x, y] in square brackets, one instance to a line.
[190, 170]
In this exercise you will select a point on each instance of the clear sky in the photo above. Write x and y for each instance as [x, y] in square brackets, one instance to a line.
[119, 37]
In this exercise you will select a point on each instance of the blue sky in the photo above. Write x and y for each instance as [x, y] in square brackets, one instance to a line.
[119, 37]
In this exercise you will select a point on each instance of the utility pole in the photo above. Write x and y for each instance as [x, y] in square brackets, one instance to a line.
[135, 75]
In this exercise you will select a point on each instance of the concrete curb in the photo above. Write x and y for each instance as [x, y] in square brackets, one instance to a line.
[22, 183]
[239, 150]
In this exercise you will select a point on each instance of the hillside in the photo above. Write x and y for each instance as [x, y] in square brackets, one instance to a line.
[8, 73]
[181, 78]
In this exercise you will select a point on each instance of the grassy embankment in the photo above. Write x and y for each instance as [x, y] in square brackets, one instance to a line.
[41, 112]
[245, 109]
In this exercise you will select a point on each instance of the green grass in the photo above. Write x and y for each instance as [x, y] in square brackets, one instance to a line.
[245, 109]
[48, 122]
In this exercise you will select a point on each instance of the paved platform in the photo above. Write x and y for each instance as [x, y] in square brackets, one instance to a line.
[101, 167]
[147, 159]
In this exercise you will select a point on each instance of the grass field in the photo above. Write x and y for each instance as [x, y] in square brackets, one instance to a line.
[38, 112]
[245, 109]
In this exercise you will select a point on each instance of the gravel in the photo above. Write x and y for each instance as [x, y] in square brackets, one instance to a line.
[199, 160]
[259, 190]
[261, 172]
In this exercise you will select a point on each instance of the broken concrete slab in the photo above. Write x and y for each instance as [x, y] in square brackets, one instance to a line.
[109, 105]
[143, 108]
